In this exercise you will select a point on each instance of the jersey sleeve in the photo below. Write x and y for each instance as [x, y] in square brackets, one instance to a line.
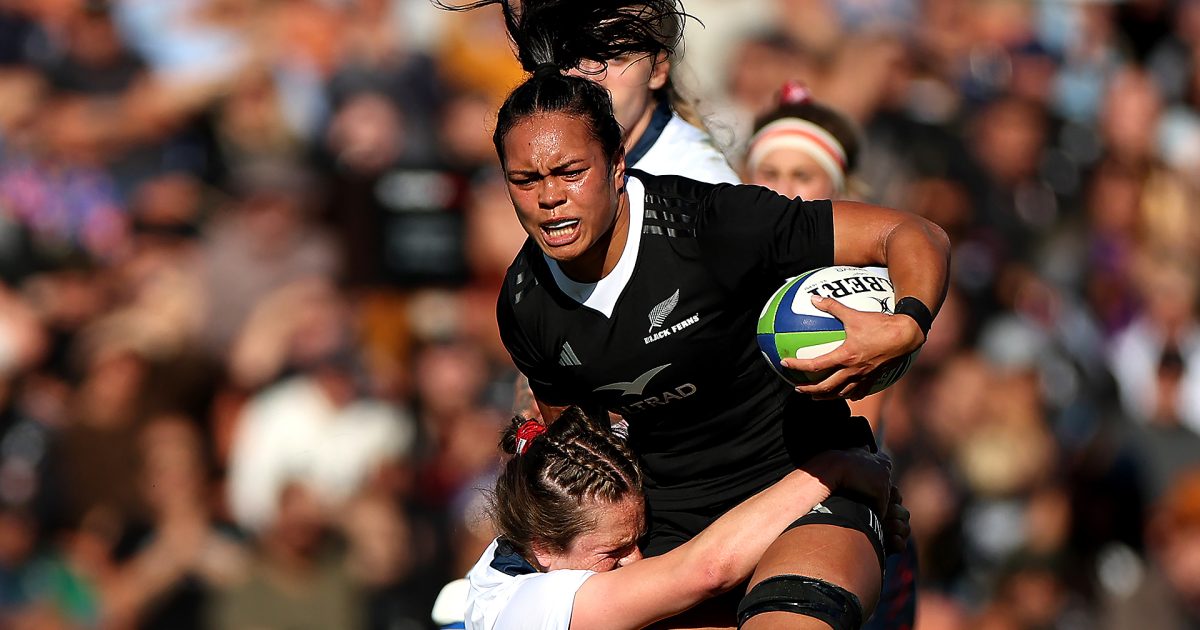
[525, 353]
[544, 600]
[753, 233]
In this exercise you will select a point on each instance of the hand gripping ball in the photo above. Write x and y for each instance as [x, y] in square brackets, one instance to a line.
[791, 327]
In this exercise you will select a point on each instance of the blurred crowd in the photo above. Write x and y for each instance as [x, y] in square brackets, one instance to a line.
[249, 254]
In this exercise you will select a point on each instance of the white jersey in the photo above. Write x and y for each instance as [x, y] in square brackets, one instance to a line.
[507, 593]
[449, 609]
[672, 146]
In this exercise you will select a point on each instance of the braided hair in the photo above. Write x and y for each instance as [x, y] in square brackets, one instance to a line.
[540, 495]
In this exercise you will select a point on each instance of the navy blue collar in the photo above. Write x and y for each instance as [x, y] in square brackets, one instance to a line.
[658, 122]
[507, 561]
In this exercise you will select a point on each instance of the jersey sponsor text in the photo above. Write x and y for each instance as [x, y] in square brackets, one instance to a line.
[667, 332]
[663, 399]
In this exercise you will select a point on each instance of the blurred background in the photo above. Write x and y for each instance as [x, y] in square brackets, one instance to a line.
[249, 254]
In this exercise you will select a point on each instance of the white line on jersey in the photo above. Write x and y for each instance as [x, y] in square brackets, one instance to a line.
[567, 356]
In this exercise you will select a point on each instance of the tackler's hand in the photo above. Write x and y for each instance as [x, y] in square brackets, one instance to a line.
[856, 471]
[872, 340]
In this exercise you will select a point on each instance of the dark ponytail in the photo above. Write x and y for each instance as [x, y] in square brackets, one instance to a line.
[561, 34]
[567, 32]
[539, 496]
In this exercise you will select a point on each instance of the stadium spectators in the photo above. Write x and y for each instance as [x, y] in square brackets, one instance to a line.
[213, 209]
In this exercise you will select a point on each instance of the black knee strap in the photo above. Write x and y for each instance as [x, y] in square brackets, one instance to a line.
[806, 596]
[846, 512]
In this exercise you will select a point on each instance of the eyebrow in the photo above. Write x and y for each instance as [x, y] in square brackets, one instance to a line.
[554, 169]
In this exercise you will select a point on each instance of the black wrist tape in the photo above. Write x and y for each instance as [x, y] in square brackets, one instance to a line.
[917, 310]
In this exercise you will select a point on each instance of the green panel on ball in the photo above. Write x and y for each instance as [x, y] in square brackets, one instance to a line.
[789, 343]
[766, 323]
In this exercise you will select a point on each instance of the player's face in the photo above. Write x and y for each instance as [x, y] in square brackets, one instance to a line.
[611, 544]
[566, 193]
[631, 80]
[792, 173]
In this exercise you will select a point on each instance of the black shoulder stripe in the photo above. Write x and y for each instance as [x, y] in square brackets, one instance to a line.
[664, 201]
[661, 230]
[523, 273]
[669, 217]
[521, 277]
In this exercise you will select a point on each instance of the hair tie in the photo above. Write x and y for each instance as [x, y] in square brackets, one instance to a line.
[547, 69]
[794, 93]
[526, 432]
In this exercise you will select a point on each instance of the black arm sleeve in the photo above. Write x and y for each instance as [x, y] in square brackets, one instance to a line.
[524, 353]
[750, 233]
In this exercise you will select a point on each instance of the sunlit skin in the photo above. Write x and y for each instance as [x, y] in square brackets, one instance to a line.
[610, 544]
[631, 80]
[792, 173]
[568, 198]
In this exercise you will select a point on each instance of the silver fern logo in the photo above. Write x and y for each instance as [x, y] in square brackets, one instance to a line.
[660, 313]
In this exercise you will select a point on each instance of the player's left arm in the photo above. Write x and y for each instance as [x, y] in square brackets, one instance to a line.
[917, 254]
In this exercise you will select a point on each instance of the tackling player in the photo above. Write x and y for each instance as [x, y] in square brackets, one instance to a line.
[569, 509]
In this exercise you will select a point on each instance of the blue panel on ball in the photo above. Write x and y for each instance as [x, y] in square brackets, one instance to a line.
[787, 321]
[766, 343]
[786, 303]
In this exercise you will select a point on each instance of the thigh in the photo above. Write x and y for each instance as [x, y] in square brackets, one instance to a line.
[837, 555]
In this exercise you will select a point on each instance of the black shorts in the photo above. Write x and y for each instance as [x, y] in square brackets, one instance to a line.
[667, 529]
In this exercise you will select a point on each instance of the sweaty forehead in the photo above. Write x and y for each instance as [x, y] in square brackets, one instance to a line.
[547, 140]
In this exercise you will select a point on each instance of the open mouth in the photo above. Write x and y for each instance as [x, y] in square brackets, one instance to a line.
[561, 231]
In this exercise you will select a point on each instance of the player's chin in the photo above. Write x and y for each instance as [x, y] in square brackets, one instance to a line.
[563, 252]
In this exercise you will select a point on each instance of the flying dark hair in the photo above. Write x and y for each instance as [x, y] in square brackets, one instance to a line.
[539, 497]
[567, 32]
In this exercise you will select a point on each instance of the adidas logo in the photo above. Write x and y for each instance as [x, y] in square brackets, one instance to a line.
[566, 357]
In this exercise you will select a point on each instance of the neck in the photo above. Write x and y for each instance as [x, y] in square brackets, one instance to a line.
[602, 258]
[639, 127]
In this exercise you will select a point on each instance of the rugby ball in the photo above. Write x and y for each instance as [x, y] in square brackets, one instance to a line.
[791, 327]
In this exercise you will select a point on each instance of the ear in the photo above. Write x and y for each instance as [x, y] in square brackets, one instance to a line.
[542, 557]
[619, 171]
[660, 72]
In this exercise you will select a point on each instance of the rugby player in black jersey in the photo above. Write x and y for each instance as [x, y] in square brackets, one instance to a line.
[640, 293]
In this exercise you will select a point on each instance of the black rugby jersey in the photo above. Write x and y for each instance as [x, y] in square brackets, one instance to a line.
[667, 339]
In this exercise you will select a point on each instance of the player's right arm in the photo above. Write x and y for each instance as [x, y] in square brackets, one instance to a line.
[528, 358]
[726, 552]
